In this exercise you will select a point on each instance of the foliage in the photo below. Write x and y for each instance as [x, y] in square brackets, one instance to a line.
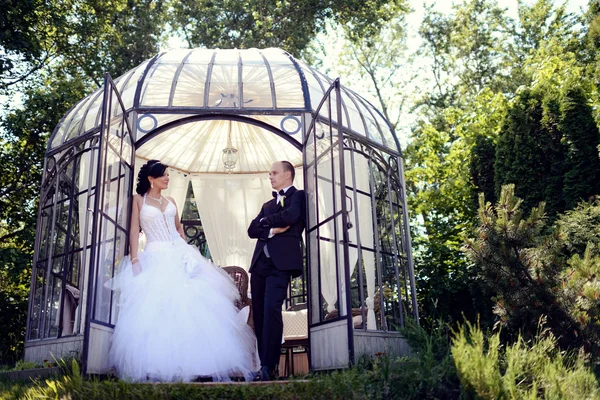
[582, 164]
[439, 181]
[287, 24]
[522, 370]
[530, 153]
[430, 372]
[548, 147]
[534, 275]
[516, 264]
[580, 291]
[579, 227]
[468, 52]
[479, 59]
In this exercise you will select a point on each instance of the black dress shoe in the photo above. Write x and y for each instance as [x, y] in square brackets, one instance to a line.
[266, 374]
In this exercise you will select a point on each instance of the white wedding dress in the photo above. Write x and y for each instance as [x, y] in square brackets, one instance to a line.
[176, 319]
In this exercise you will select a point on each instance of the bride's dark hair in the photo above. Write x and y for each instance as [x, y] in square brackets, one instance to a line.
[153, 168]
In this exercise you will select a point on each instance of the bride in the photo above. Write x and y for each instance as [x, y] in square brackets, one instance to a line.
[177, 319]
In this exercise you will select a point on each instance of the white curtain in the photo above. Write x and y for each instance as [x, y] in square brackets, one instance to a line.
[178, 187]
[227, 203]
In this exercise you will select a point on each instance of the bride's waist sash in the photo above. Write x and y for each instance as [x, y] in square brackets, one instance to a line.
[162, 245]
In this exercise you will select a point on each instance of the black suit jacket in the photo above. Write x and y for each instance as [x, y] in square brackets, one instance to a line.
[285, 248]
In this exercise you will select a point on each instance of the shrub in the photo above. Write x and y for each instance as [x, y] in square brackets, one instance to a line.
[523, 370]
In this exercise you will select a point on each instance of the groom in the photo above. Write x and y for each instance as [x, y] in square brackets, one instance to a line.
[277, 257]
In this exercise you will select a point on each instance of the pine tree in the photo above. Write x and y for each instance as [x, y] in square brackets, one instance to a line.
[516, 262]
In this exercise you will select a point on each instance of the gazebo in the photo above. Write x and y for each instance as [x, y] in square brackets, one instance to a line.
[219, 119]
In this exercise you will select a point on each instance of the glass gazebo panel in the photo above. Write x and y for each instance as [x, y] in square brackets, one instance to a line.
[74, 124]
[189, 91]
[36, 302]
[123, 79]
[92, 116]
[60, 228]
[288, 87]
[385, 129]
[315, 89]
[45, 230]
[127, 149]
[269, 80]
[174, 56]
[368, 113]
[356, 122]
[276, 56]
[290, 124]
[201, 56]
[157, 88]
[111, 185]
[224, 90]
[150, 121]
[328, 270]
[123, 199]
[129, 89]
[105, 267]
[59, 133]
[52, 310]
[256, 87]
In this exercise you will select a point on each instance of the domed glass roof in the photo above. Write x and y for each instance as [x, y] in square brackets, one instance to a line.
[267, 85]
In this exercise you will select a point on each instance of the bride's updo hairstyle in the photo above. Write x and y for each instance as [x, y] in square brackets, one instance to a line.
[153, 168]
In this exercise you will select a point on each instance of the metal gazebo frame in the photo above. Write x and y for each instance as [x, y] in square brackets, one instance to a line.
[349, 152]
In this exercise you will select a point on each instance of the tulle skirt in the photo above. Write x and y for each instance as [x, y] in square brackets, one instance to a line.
[177, 320]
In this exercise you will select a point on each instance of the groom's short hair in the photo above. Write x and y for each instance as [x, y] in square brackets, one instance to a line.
[287, 166]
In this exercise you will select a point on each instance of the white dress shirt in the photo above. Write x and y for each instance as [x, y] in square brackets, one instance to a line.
[279, 197]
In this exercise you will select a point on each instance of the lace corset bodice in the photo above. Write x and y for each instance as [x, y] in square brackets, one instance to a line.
[157, 225]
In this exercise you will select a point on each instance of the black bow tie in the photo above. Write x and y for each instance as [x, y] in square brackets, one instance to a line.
[281, 193]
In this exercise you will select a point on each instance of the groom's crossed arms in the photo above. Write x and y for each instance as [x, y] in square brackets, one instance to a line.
[261, 225]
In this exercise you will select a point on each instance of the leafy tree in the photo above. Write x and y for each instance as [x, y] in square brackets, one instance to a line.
[290, 25]
[468, 52]
[439, 181]
[61, 59]
[538, 25]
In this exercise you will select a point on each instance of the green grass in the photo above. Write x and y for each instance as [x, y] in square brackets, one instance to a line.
[472, 365]
[381, 378]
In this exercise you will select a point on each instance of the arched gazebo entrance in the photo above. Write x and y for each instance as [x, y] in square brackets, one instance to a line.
[220, 118]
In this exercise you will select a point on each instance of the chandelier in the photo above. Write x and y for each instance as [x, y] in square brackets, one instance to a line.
[229, 153]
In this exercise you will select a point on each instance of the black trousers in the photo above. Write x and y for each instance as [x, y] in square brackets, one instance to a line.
[269, 291]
